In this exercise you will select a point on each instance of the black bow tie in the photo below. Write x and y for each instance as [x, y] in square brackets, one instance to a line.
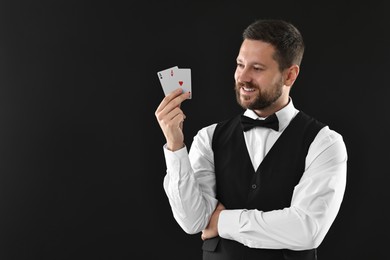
[271, 122]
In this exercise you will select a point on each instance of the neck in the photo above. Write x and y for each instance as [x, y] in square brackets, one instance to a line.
[273, 108]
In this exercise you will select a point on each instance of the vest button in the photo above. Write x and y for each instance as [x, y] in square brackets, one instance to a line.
[254, 186]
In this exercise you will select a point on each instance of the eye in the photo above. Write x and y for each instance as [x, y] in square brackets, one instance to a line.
[240, 65]
[258, 68]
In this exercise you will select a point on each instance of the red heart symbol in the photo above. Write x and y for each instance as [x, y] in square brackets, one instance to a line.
[181, 83]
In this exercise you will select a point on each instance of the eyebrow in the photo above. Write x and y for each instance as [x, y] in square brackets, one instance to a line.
[255, 63]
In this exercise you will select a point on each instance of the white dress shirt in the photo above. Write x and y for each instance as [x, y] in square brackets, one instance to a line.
[191, 189]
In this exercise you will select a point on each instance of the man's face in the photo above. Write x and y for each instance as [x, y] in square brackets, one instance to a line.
[258, 80]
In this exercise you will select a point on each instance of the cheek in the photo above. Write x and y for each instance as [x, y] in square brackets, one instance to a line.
[267, 80]
[277, 80]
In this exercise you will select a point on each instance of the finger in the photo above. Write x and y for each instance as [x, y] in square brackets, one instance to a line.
[171, 103]
[202, 236]
[169, 98]
[168, 113]
[178, 120]
[174, 115]
[220, 206]
[176, 102]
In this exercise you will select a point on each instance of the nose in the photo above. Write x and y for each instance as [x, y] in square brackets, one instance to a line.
[243, 75]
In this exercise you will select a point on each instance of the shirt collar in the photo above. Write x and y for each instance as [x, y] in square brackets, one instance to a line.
[285, 115]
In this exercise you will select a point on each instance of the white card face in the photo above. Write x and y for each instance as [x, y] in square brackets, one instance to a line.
[167, 79]
[173, 78]
[183, 80]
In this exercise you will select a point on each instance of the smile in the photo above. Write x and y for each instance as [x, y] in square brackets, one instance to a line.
[248, 89]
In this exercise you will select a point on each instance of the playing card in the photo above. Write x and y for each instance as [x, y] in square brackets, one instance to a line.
[167, 79]
[183, 80]
[173, 78]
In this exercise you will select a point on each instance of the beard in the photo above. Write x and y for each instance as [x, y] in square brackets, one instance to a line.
[263, 100]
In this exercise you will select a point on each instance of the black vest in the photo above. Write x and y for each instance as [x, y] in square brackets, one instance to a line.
[271, 187]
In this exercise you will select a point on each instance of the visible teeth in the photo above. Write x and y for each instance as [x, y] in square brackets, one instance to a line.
[248, 89]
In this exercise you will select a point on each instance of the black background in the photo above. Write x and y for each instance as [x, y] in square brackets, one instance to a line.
[81, 160]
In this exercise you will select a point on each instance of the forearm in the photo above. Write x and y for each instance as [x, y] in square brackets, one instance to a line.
[190, 207]
[192, 199]
[288, 228]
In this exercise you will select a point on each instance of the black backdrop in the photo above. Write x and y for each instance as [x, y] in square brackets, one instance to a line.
[81, 160]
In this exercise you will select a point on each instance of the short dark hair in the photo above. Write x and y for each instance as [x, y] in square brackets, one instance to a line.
[284, 36]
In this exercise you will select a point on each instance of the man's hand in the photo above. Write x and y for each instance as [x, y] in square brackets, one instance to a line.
[170, 118]
[212, 228]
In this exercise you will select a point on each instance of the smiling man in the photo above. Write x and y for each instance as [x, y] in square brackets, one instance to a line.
[267, 183]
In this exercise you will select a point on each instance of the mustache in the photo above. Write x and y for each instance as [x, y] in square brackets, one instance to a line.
[246, 84]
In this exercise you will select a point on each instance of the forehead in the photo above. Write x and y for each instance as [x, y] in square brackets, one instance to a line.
[256, 51]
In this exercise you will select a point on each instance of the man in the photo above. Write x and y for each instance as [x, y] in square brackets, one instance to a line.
[268, 192]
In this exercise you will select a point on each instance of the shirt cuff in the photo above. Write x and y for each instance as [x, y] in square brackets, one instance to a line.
[177, 161]
[229, 223]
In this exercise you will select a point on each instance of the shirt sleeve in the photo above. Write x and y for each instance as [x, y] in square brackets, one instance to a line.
[189, 182]
[315, 203]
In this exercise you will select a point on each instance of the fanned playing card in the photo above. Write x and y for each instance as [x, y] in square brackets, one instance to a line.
[183, 80]
[167, 79]
[173, 78]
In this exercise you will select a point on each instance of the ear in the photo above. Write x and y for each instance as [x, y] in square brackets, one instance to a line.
[291, 75]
